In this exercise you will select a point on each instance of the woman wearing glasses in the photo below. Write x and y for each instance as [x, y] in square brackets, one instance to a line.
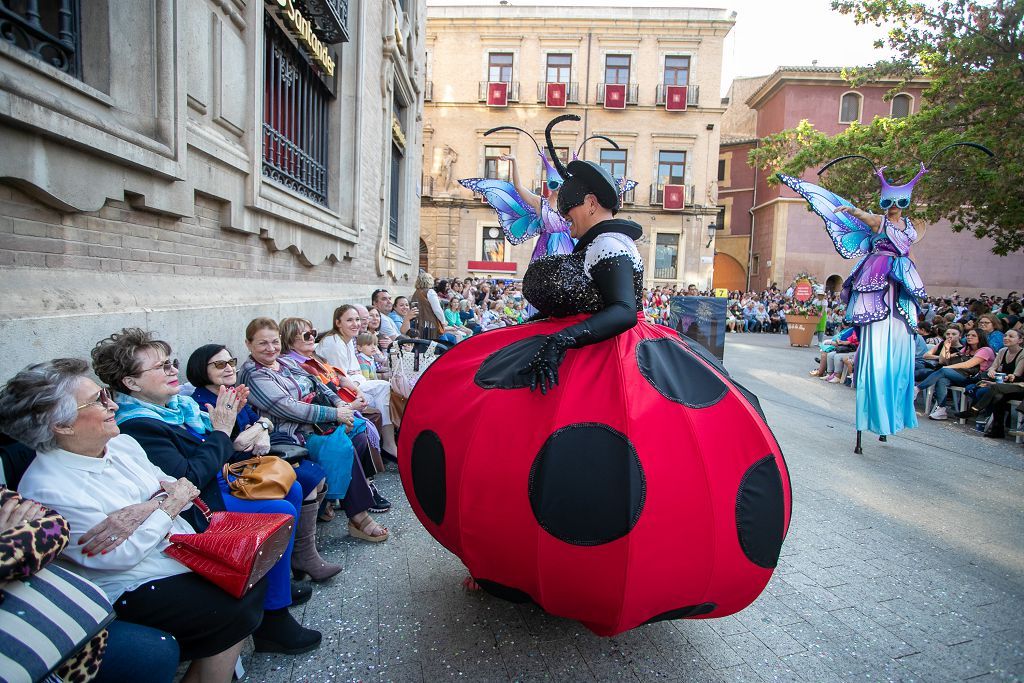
[184, 441]
[211, 367]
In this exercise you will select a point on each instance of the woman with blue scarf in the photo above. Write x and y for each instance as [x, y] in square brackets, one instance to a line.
[183, 441]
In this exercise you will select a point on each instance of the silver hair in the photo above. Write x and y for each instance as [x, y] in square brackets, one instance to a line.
[39, 398]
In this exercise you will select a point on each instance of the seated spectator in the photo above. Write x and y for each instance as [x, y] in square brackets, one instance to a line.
[992, 326]
[429, 314]
[454, 321]
[373, 326]
[1004, 382]
[87, 471]
[338, 348]
[939, 355]
[774, 318]
[307, 412]
[491, 319]
[390, 328]
[467, 317]
[975, 357]
[133, 652]
[403, 315]
[183, 441]
[835, 351]
[762, 318]
[366, 354]
[211, 367]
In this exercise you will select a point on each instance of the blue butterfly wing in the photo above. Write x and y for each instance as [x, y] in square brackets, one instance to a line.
[625, 185]
[518, 220]
[850, 235]
[560, 243]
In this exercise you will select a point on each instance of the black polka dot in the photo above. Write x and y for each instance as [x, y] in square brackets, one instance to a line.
[677, 374]
[428, 475]
[500, 370]
[684, 612]
[587, 486]
[504, 592]
[761, 512]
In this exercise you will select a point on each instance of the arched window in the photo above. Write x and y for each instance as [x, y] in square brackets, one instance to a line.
[902, 105]
[424, 257]
[849, 108]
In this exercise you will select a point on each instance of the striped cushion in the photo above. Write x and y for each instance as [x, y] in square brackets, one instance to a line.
[45, 619]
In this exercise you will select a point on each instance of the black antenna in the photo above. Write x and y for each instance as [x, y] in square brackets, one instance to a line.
[495, 130]
[975, 145]
[596, 137]
[559, 166]
[848, 156]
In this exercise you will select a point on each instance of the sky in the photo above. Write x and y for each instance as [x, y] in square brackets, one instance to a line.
[767, 34]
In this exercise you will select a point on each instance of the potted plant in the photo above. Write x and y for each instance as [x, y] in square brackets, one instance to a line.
[803, 318]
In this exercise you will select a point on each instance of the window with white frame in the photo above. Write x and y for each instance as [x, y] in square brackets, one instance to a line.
[677, 70]
[492, 244]
[616, 68]
[494, 166]
[849, 108]
[559, 67]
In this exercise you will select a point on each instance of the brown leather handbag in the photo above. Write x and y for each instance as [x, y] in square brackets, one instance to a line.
[265, 477]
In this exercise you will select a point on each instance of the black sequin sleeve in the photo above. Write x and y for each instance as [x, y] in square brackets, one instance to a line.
[614, 279]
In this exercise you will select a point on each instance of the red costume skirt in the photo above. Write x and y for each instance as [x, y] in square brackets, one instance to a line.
[645, 486]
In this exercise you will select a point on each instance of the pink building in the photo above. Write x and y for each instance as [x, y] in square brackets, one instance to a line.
[783, 238]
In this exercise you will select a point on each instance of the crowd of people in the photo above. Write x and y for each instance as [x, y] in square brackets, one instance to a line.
[973, 343]
[105, 459]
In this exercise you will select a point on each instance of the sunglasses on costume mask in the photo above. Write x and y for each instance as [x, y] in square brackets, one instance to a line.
[902, 203]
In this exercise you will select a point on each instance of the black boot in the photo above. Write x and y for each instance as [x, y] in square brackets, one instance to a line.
[996, 431]
[280, 633]
[301, 593]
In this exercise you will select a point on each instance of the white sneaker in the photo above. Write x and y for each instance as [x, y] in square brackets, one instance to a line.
[917, 391]
[938, 414]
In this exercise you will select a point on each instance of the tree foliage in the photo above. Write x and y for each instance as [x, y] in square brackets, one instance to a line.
[973, 54]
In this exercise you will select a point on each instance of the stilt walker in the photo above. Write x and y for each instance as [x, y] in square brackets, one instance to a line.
[881, 294]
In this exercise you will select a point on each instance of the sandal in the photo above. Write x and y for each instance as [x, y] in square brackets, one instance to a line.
[361, 530]
[814, 373]
[327, 515]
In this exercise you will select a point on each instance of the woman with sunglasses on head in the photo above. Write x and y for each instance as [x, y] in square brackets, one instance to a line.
[211, 367]
[184, 441]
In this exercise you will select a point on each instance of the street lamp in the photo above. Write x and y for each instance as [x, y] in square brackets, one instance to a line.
[712, 227]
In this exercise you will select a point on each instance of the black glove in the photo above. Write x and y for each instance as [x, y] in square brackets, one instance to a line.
[543, 367]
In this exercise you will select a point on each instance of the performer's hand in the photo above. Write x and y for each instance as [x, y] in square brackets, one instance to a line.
[543, 367]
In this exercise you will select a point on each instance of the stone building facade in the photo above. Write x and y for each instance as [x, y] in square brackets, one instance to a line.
[785, 238]
[583, 52]
[185, 166]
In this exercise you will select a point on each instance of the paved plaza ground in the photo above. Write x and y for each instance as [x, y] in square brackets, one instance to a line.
[904, 564]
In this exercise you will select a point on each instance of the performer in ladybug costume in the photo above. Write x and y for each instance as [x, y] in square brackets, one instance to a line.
[602, 467]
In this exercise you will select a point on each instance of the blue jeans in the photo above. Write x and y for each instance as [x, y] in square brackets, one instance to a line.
[138, 653]
[942, 379]
[279, 583]
[309, 475]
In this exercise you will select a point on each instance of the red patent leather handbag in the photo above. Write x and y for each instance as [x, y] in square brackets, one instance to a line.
[236, 550]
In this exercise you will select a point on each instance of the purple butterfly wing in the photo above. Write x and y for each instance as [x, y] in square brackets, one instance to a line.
[850, 235]
[518, 220]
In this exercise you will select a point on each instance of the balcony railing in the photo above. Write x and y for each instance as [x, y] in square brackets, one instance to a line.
[572, 92]
[50, 33]
[657, 195]
[428, 91]
[692, 95]
[629, 196]
[632, 91]
[513, 91]
[328, 17]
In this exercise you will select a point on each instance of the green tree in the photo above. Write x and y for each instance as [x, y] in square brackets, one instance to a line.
[973, 54]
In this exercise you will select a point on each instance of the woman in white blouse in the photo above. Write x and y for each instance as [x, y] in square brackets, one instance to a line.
[86, 470]
[338, 347]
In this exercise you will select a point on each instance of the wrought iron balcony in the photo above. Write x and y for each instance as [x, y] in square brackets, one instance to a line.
[692, 95]
[632, 91]
[329, 18]
[572, 92]
[513, 90]
[658, 195]
[50, 32]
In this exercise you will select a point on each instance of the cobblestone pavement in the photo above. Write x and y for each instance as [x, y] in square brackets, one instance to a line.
[903, 564]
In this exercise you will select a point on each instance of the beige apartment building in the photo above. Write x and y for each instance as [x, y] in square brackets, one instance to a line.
[647, 78]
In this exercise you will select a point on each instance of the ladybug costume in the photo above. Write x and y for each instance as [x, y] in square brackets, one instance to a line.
[641, 483]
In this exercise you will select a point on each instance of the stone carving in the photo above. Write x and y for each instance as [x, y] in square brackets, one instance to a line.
[448, 159]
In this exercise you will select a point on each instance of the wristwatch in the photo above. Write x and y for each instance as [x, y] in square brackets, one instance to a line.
[264, 424]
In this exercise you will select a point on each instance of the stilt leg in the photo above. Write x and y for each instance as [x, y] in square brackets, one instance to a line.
[858, 450]
[882, 438]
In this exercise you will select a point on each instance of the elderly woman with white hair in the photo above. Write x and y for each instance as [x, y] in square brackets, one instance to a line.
[86, 470]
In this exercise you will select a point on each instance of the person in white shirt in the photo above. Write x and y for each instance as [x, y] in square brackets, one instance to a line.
[338, 348]
[87, 471]
[381, 300]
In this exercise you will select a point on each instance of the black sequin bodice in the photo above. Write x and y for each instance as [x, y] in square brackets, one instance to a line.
[558, 285]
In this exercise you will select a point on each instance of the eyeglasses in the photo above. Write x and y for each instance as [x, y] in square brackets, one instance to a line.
[309, 335]
[902, 202]
[166, 366]
[273, 343]
[221, 364]
[102, 399]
